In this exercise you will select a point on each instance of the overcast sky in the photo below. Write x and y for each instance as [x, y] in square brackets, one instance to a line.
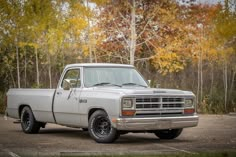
[210, 1]
[203, 1]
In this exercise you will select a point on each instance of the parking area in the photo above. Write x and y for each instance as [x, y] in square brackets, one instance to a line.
[214, 133]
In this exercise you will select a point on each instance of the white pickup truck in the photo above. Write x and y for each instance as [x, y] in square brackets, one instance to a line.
[107, 100]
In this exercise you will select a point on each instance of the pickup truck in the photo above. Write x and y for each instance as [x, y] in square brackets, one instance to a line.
[107, 100]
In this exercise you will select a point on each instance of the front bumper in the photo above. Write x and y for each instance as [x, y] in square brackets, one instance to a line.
[156, 123]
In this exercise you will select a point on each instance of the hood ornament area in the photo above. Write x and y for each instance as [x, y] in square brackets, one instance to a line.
[156, 91]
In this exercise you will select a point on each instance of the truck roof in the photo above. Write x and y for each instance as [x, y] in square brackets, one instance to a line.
[97, 65]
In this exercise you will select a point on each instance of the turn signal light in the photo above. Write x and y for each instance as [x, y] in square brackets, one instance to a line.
[128, 112]
[189, 111]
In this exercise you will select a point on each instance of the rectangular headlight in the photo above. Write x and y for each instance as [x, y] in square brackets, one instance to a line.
[188, 103]
[128, 103]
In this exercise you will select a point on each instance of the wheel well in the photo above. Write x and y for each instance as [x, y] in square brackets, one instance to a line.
[21, 108]
[91, 111]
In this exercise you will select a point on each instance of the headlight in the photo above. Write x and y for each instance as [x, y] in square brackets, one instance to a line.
[188, 103]
[128, 103]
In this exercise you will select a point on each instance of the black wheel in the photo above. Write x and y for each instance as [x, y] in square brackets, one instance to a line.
[100, 128]
[28, 123]
[168, 134]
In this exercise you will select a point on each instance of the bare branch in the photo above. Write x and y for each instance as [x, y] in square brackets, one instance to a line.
[145, 41]
[149, 20]
[125, 19]
[110, 54]
[152, 44]
[121, 33]
[143, 59]
[148, 47]
[125, 46]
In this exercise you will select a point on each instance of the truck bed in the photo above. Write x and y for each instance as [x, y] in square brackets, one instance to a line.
[40, 101]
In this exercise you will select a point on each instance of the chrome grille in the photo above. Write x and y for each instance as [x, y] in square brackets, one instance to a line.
[159, 105]
[172, 99]
[148, 100]
[172, 105]
[148, 106]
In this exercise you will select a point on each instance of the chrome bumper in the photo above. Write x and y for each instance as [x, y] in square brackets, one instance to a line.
[157, 123]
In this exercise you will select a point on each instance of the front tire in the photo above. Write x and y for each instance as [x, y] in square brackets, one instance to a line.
[28, 123]
[168, 134]
[100, 128]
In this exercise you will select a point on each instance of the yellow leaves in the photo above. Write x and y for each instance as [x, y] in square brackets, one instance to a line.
[51, 40]
[225, 27]
[78, 9]
[85, 50]
[172, 53]
[225, 53]
[167, 62]
[77, 24]
[100, 2]
[23, 44]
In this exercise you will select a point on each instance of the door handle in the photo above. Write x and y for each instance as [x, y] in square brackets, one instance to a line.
[59, 93]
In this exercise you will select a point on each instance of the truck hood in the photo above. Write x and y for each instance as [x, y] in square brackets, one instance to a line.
[142, 91]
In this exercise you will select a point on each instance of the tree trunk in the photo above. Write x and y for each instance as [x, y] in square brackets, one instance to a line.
[17, 62]
[133, 34]
[201, 78]
[49, 71]
[25, 67]
[12, 77]
[225, 78]
[198, 79]
[212, 80]
[89, 38]
[95, 57]
[63, 60]
[37, 65]
[232, 85]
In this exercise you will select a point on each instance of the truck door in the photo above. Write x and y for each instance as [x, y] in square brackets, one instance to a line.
[66, 101]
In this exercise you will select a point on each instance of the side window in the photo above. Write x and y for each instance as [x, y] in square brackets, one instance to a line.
[71, 79]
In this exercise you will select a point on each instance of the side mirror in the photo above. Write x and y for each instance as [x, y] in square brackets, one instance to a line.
[66, 85]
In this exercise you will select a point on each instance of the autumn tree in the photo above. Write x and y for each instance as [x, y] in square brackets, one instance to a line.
[225, 33]
[177, 44]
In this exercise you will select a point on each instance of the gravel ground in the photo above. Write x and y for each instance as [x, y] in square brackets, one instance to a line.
[215, 133]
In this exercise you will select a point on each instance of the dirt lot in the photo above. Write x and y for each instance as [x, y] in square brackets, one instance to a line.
[214, 133]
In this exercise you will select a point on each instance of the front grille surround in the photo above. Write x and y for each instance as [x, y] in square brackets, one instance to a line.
[158, 106]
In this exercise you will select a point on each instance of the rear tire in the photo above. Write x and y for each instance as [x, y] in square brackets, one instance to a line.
[100, 128]
[28, 123]
[168, 134]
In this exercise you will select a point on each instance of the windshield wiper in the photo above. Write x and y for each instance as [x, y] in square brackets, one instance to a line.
[105, 83]
[133, 84]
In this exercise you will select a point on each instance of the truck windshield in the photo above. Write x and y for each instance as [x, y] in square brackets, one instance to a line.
[112, 76]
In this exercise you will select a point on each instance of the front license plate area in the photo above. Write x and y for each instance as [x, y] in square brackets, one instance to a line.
[163, 124]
